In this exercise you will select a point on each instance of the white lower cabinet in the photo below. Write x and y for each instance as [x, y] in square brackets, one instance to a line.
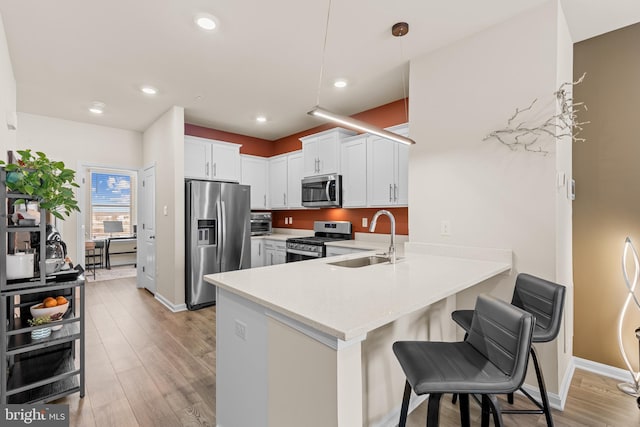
[275, 252]
[257, 252]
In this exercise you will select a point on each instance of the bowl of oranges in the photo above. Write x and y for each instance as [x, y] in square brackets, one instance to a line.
[52, 307]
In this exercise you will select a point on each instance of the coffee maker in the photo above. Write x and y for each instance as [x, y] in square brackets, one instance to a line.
[55, 249]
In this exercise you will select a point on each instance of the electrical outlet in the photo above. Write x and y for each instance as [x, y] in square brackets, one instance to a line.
[365, 222]
[286, 220]
[445, 227]
[241, 330]
[290, 220]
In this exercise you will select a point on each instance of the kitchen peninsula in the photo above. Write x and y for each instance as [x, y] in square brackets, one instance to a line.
[309, 343]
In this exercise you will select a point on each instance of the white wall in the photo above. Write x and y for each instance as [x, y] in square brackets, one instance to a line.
[564, 213]
[493, 197]
[77, 143]
[7, 95]
[163, 144]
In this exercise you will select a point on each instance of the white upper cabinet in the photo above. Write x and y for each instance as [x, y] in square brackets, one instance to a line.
[255, 173]
[353, 159]
[278, 182]
[387, 170]
[196, 153]
[211, 160]
[321, 151]
[285, 174]
[295, 173]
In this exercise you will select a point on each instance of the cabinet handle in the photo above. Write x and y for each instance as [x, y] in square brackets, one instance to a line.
[284, 198]
[206, 170]
[390, 193]
[318, 164]
[271, 258]
[214, 169]
[259, 249]
[395, 192]
[265, 200]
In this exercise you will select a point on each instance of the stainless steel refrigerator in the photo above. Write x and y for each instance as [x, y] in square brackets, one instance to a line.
[218, 236]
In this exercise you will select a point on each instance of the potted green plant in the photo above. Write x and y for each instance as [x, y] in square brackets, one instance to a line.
[40, 332]
[47, 180]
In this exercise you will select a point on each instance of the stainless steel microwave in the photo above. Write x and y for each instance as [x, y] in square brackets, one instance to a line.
[322, 191]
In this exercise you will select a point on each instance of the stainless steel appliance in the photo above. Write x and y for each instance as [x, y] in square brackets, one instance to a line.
[322, 191]
[261, 223]
[217, 237]
[312, 247]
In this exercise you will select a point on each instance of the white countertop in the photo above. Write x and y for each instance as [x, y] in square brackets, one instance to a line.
[362, 244]
[280, 236]
[349, 302]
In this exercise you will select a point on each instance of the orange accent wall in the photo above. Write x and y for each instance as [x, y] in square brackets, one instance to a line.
[303, 219]
[250, 145]
[384, 116]
[391, 114]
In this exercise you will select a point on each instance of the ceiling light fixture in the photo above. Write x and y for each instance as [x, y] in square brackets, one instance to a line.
[97, 107]
[359, 125]
[149, 90]
[261, 119]
[398, 30]
[206, 21]
[340, 83]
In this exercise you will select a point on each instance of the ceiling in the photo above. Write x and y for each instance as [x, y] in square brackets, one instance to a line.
[264, 58]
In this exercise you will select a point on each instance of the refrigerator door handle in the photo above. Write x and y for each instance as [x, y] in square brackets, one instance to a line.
[243, 247]
[220, 238]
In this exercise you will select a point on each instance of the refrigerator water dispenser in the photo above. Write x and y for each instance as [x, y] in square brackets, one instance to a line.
[206, 232]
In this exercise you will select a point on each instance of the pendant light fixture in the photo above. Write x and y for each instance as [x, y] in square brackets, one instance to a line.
[398, 30]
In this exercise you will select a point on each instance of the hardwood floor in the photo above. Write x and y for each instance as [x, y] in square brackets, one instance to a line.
[147, 366]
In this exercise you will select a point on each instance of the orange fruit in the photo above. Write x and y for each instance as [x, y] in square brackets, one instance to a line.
[61, 300]
[50, 303]
[48, 298]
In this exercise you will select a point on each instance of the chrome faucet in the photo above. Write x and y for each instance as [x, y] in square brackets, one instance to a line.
[392, 244]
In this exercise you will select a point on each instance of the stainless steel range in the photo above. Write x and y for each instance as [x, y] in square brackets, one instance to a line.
[303, 248]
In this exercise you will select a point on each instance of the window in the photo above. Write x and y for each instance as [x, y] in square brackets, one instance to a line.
[112, 199]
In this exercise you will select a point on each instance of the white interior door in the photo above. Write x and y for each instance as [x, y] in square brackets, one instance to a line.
[147, 230]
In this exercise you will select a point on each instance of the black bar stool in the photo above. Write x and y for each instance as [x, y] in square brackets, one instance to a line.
[491, 360]
[545, 301]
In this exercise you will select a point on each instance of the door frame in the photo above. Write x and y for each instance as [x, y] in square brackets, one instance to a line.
[142, 248]
[82, 179]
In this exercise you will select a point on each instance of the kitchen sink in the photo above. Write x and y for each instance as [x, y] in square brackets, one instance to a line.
[360, 262]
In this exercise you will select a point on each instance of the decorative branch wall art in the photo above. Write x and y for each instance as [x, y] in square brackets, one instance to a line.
[522, 133]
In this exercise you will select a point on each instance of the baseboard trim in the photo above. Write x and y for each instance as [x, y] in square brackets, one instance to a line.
[604, 370]
[175, 308]
[556, 400]
[391, 419]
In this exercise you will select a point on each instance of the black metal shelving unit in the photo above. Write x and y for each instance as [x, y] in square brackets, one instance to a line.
[45, 369]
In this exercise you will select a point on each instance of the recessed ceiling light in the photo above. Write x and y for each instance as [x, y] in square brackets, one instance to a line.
[97, 107]
[340, 83]
[206, 21]
[149, 90]
[261, 119]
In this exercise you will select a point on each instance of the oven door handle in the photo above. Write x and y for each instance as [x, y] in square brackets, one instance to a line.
[305, 253]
